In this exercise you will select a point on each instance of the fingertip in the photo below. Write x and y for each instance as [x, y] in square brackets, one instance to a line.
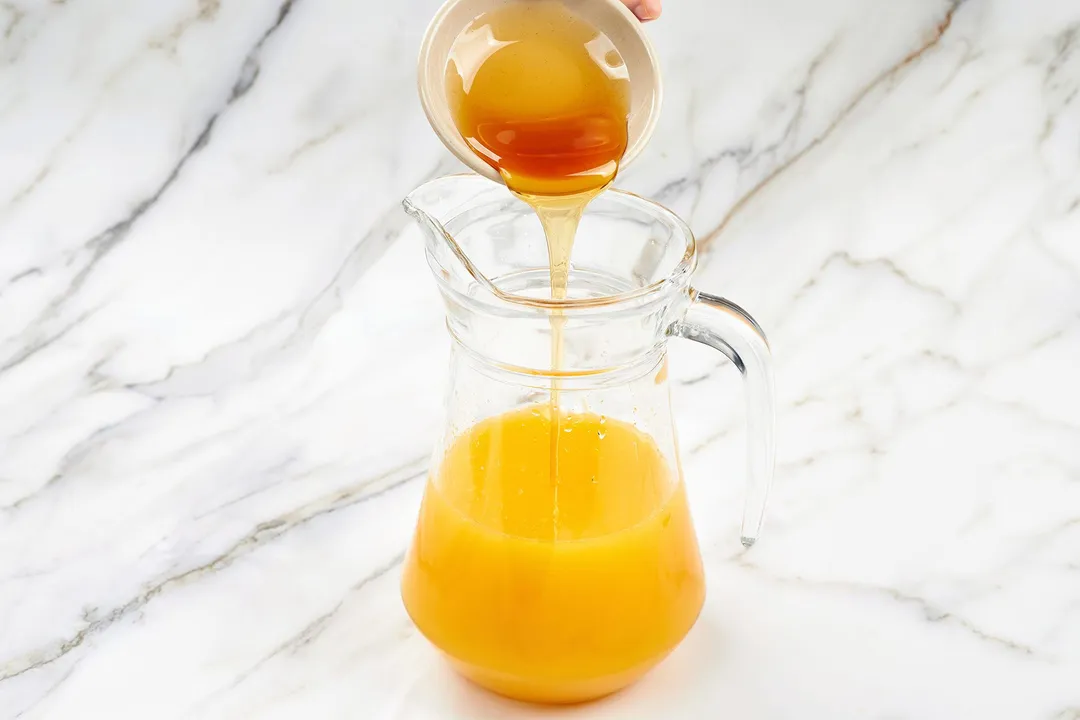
[649, 10]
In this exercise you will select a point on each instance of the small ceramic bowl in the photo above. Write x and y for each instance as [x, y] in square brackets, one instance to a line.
[610, 17]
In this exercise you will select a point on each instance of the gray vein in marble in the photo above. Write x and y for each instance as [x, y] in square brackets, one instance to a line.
[688, 382]
[846, 258]
[28, 273]
[1065, 43]
[50, 690]
[881, 80]
[57, 151]
[1056, 257]
[1035, 544]
[34, 348]
[317, 141]
[44, 172]
[309, 633]
[747, 155]
[76, 454]
[708, 440]
[740, 155]
[1028, 412]
[104, 242]
[15, 16]
[264, 533]
[315, 628]
[292, 329]
[967, 105]
[929, 611]
[205, 11]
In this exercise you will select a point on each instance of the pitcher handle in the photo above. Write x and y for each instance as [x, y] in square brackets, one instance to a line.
[723, 325]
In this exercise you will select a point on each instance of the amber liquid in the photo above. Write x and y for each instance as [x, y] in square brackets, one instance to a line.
[543, 97]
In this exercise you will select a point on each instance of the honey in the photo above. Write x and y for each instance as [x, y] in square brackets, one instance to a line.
[542, 97]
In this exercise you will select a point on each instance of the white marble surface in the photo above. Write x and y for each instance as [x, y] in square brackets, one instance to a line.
[221, 373]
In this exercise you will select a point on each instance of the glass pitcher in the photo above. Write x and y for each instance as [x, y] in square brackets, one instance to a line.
[554, 558]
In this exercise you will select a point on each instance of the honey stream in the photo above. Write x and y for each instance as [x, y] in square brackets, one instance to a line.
[543, 97]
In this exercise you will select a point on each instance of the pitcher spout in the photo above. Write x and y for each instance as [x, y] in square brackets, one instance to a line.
[433, 205]
[485, 244]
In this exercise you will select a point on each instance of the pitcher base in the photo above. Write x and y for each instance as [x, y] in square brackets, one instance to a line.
[551, 691]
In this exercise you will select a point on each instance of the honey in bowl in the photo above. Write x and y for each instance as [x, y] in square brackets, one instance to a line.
[542, 97]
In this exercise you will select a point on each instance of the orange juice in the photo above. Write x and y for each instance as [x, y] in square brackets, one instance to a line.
[554, 586]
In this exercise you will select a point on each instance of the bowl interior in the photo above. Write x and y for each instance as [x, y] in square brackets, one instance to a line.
[609, 16]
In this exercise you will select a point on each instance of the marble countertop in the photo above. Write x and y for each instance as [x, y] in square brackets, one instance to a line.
[221, 371]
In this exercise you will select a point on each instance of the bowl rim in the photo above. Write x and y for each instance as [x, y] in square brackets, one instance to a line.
[430, 79]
